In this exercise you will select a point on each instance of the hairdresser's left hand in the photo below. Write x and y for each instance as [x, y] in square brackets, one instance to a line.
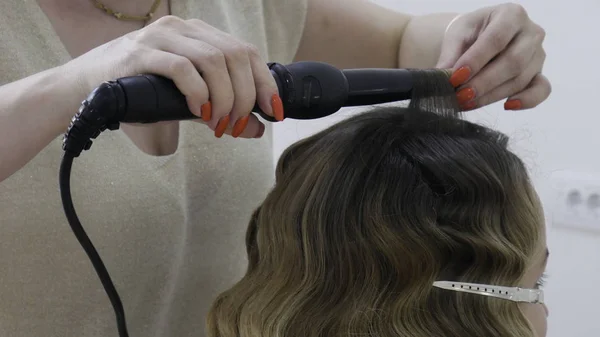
[497, 54]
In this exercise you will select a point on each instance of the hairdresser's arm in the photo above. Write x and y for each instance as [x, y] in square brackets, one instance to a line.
[359, 34]
[33, 112]
[496, 51]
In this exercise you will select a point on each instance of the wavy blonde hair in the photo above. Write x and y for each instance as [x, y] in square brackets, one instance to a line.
[367, 214]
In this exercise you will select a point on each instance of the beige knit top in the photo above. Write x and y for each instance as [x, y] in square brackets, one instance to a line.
[169, 229]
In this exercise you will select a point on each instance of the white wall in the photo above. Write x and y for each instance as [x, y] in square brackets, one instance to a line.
[560, 135]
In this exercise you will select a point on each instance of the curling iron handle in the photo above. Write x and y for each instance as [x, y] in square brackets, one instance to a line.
[308, 90]
[153, 98]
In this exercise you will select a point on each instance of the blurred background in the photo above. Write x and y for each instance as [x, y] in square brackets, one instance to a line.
[559, 141]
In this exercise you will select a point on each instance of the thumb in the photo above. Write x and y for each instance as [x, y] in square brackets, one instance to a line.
[453, 48]
[254, 129]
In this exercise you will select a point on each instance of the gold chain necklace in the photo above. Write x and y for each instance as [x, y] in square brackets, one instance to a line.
[126, 17]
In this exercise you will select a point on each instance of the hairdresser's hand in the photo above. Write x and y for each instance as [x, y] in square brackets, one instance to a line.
[221, 76]
[497, 54]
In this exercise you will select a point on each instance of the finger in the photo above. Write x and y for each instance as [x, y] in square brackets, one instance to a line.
[238, 64]
[210, 62]
[492, 41]
[266, 88]
[237, 57]
[452, 49]
[516, 84]
[508, 65]
[254, 129]
[453, 46]
[538, 91]
[266, 91]
[183, 74]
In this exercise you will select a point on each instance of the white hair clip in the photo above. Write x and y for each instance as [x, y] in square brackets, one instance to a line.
[514, 294]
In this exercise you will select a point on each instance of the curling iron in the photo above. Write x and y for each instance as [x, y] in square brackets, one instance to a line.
[309, 90]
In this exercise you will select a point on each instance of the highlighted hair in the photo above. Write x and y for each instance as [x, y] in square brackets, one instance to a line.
[366, 215]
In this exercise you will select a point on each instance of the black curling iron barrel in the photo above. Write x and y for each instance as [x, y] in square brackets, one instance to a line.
[309, 90]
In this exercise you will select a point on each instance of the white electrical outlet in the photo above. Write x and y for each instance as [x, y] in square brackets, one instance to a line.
[577, 201]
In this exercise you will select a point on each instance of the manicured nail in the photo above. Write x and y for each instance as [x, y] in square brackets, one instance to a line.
[513, 104]
[277, 105]
[222, 126]
[206, 111]
[460, 76]
[240, 126]
[261, 131]
[465, 95]
[468, 106]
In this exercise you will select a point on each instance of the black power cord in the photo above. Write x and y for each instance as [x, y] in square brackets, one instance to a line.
[86, 243]
[96, 114]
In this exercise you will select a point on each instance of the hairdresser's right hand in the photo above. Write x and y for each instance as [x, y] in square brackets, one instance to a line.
[221, 76]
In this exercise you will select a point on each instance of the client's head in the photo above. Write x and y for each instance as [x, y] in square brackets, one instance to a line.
[367, 215]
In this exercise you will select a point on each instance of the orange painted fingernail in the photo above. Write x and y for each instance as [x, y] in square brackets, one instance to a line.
[277, 105]
[465, 95]
[460, 76]
[468, 106]
[222, 126]
[240, 126]
[513, 104]
[206, 111]
[261, 131]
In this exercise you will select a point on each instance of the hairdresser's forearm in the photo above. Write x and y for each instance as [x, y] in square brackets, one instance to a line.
[352, 34]
[33, 112]
[362, 34]
[421, 41]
